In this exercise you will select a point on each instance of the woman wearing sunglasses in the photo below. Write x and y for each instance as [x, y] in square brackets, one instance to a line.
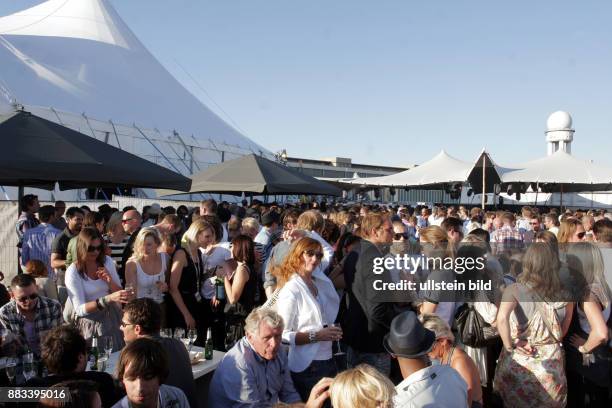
[94, 289]
[571, 231]
[308, 304]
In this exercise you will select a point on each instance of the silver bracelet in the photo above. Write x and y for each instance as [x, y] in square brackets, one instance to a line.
[312, 336]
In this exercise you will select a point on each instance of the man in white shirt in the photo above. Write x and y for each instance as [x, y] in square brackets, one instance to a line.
[438, 215]
[424, 385]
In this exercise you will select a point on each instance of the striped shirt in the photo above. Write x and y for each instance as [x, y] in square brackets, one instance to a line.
[37, 244]
[116, 249]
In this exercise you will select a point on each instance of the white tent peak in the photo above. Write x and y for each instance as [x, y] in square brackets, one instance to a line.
[63, 59]
[93, 20]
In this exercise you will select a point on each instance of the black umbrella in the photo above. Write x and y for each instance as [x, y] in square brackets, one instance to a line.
[252, 174]
[38, 153]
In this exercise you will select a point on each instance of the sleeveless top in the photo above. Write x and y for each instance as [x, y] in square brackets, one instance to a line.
[190, 276]
[246, 302]
[597, 292]
[146, 285]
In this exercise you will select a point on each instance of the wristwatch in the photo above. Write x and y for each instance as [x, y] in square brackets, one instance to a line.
[312, 336]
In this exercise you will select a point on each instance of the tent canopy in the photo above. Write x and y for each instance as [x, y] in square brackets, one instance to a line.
[493, 174]
[38, 153]
[252, 174]
[442, 169]
[79, 56]
[561, 171]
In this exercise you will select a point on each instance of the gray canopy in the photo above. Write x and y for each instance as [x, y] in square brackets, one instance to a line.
[252, 174]
[38, 153]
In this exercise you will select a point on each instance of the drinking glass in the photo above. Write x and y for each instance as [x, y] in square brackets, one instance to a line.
[192, 335]
[108, 345]
[11, 368]
[339, 355]
[166, 332]
[102, 361]
[130, 289]
[29, 371]
[179, 333]
[186, 342]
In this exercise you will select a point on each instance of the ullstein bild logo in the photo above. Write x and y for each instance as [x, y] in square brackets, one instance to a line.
[429, 285]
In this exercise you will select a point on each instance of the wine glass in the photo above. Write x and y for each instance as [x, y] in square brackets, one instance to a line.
[339, 355]
[179, 333]
[186, 342]
[29, 370]
[165, 332]
[108, 345]
[192, 335]
[11, 368]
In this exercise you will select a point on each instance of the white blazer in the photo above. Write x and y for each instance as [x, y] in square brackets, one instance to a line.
[302, 313]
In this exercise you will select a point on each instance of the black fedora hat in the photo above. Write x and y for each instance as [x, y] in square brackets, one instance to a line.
[407, 337]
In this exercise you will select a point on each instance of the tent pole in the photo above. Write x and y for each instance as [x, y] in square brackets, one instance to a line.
[20, 193]
[561, 199]
[537, 191]
[484, 191]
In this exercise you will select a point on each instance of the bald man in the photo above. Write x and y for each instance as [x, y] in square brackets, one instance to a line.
[131, 222]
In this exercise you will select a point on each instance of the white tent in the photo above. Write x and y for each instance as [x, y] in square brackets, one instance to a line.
[77, 63]
[441, 169]
[561, 172]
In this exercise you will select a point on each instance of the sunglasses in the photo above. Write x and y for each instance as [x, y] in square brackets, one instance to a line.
[33, 296]
[92, 248]
[126, 220]
[312, 253]
[399, 236]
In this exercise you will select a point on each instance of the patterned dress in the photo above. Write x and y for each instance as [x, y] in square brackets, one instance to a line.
[539, 380]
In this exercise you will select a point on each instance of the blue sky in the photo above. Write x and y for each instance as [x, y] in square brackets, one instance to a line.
[390, 82]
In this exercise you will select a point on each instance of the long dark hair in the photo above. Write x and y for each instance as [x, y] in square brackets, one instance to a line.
[86, 236]
[243, 250]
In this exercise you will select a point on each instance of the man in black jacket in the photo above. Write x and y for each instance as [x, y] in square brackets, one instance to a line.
[369, 312]
[132, 222]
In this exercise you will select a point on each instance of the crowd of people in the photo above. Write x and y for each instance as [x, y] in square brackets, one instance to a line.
[287, 292]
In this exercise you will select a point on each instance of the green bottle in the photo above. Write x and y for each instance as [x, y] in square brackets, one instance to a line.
[94, 354]
[208, 346]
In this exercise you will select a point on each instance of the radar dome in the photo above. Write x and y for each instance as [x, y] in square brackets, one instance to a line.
[559, 120]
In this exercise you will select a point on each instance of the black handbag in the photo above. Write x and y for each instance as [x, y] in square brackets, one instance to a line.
[472, 329]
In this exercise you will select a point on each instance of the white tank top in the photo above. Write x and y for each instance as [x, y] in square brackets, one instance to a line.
[146, 284]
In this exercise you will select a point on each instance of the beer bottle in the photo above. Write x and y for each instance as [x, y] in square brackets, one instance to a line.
[94, 354]
[208, 346]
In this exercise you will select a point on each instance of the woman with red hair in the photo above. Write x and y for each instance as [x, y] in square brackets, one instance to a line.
[308, 304]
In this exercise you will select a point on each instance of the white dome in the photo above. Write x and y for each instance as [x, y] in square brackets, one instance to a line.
[559, 120]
